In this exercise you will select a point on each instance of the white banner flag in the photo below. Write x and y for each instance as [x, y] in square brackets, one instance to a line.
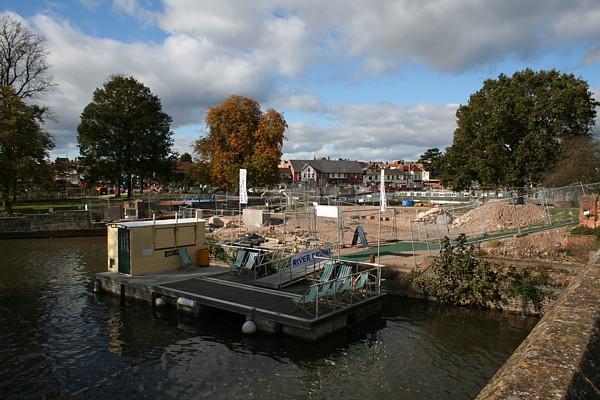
[383, 200]
[243, 194]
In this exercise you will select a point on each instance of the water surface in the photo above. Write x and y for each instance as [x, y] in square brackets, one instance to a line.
[60, 340]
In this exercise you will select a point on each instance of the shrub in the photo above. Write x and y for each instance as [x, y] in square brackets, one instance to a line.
[457, 276]
[526, 286]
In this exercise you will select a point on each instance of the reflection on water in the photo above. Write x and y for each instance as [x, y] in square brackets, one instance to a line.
[60, 340]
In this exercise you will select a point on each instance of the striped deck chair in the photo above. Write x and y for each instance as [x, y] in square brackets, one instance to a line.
[331, 288]
[327, 271]
[239, 260]
[306, 299]
[346, 285]
[360, 282]
[250, 261]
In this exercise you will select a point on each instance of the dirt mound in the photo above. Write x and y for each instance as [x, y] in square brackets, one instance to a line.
[498, 215]
[547, 245]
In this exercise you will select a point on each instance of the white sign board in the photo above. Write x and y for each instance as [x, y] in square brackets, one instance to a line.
[243, 193]
[327, 211]
[300, 260]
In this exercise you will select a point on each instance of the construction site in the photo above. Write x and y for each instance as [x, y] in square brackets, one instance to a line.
[530, 224]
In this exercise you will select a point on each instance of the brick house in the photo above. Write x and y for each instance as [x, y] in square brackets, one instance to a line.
[294, 167]
[332, 172]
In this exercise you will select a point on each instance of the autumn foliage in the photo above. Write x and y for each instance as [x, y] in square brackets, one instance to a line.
[240, 135]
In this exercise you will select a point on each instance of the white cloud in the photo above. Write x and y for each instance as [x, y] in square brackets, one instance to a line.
[217, 48]
[189, 74]
[447, 35]
[90, 4]
[297, 100]
[374, 132]
[133, 9]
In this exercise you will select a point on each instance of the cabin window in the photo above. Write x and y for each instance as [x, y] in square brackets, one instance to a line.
[164, 238]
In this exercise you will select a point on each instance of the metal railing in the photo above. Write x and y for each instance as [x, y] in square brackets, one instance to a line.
[344, 298]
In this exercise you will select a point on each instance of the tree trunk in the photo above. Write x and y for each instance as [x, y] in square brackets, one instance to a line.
[7, 203]
[118, 188]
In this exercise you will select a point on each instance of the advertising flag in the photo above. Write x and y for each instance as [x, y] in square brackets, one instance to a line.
[243, 193]
[383, 200]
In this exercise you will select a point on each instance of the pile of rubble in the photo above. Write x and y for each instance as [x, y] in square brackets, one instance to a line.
[497, 216]
[548, 245]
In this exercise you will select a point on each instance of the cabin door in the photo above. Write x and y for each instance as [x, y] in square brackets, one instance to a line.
[124, 259]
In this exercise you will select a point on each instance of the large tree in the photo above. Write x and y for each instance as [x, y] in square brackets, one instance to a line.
[125, 133]
[431, 160]
[24, 145]
[241, 136]
[511, 130]
[23, 64]
[578, 161]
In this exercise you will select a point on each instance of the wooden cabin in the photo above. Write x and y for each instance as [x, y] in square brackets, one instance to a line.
[149, 247]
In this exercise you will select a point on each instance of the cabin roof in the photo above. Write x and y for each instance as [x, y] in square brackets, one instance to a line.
[158, 222]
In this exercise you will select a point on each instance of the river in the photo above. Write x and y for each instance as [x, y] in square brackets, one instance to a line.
[60, 340]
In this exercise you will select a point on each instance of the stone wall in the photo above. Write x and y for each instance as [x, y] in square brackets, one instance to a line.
[51, 224]
[559, 358]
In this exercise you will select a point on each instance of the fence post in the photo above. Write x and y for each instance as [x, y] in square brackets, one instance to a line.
[516, 216]
[427, 239]
[412, 241]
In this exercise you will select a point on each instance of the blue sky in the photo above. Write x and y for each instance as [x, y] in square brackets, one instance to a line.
[368, 80]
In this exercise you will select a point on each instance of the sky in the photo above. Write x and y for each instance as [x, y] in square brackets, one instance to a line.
[362, 79]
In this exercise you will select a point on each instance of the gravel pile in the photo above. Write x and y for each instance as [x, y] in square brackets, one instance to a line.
[499, 216]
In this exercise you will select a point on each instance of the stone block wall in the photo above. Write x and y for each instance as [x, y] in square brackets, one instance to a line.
[559, 358]
[56, 221]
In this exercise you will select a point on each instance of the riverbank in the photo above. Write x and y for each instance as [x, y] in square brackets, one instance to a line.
[72, 223]
[559, 358]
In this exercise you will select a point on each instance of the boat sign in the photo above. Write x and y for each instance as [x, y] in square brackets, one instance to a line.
[308, 257]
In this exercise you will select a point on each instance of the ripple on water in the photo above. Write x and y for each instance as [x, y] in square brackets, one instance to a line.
[60, 340]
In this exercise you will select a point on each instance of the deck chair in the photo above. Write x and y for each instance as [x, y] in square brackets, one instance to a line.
[306, 299]
[250, 261]
[327, 271]
[360, 282]
[239, 259]
[346, 285]
[332, 288]
[186, 261]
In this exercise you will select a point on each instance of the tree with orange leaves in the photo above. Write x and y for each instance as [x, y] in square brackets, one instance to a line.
[240, 135]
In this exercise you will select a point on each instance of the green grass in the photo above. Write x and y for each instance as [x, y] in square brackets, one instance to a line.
[42, 206]
[564, 214]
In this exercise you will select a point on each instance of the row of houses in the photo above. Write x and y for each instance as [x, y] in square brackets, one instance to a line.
[322, 172]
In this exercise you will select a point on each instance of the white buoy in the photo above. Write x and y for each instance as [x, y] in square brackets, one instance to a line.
[249, 327]
[159, 302]
[97, 287]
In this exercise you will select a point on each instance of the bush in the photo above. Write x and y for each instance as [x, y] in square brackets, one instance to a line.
[526, 286]
[458, 277]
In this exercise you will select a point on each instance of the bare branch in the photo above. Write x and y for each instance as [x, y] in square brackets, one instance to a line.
[23, 64]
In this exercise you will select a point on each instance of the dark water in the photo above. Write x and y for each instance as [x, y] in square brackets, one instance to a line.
[59, 340]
